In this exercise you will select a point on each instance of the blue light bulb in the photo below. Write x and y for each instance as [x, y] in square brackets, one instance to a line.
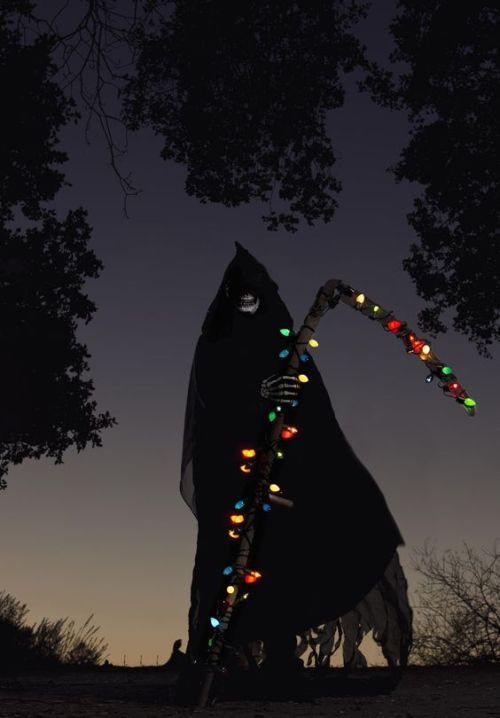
[239, 504]
[214, 621]
[266, 507]
[284, 353]
[228, 571]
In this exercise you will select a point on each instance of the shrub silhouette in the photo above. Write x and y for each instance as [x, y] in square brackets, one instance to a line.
[458, 609]
[46, 644]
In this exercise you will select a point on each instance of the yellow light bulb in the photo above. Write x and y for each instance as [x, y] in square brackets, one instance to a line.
[360, 299]
[246, 469]
[303, 378]
[274, 488]
[237, 518]
[233, 534]
[426, 349]
[313, 343]
[248, 453]
[230, 589]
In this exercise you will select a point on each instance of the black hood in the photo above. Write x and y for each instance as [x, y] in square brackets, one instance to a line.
[243, 274]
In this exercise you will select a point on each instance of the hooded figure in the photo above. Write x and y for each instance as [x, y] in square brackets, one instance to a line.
[328, 554]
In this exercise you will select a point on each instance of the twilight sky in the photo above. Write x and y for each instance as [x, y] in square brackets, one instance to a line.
[107, 532]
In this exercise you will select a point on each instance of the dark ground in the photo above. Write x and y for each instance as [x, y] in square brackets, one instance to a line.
[148, 693]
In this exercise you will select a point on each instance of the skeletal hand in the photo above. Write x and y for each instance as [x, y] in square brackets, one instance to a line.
[282, 389]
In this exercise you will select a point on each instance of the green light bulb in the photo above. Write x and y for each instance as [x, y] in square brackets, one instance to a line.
[446, 370]
[469, 402]
[272, 415]
[285, 332]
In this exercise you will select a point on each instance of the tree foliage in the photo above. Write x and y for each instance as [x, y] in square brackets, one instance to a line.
[458, 606]
[450, 88]
[44, 263]
[239, 93]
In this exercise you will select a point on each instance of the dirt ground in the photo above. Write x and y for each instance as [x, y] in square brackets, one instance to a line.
[149, 693]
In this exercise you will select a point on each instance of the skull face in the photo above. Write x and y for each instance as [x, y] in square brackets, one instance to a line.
[244, 300]
[247, 302]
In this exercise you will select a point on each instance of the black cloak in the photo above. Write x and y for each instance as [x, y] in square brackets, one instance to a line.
[319, 559]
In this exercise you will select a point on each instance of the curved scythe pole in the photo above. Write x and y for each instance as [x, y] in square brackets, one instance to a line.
[327, 297]
[262, 474]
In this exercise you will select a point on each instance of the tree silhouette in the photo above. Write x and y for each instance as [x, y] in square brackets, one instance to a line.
[44, 263]
[450, 88]
[239, 92]
[458, 606]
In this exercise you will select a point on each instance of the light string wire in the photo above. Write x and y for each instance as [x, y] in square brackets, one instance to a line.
[327, 298]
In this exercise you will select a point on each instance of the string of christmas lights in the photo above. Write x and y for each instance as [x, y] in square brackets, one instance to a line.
[261, 491]
[421, 348]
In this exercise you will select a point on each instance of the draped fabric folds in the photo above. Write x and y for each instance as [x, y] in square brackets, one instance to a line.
[337, 547]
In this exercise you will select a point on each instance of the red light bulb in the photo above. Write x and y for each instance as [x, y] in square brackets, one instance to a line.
[417, 344]
[252, 577]
[288, 432]
[393, 325]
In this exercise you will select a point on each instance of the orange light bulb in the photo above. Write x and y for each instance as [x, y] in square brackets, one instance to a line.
[248, 453]
[245, 468]
[252, 577]
[237, 518]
